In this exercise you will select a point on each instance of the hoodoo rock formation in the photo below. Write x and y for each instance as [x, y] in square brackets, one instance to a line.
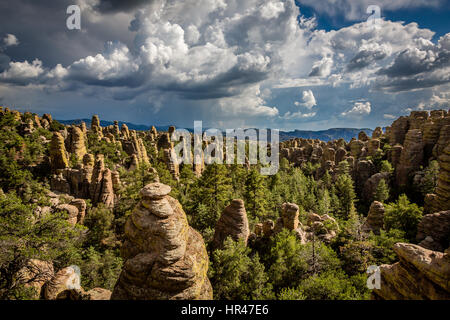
[58, 154]
[411, 157]
[442, 201]
[76, 143]
[232, 223]
[164, 257]
[375, 218]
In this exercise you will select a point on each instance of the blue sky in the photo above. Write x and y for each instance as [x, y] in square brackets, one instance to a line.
[286, 64]
[433, 18]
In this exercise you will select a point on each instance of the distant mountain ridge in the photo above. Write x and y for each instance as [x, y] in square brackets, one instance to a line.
[324, 135]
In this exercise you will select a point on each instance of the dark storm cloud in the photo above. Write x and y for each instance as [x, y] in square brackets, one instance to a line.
[365, 58]
[412, 62]
[41, 29]
[421, 67]
[409, 84]
[108, 6]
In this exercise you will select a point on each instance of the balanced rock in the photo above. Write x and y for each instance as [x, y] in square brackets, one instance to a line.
[164, 257]
[95, 123]
[290, 213]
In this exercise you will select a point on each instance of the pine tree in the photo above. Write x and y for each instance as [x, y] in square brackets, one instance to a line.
[213, 190]
[346, 195]
[382, 191]
[256, 194]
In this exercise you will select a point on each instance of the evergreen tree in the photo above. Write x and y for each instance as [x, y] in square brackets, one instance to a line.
[237, 276]
[213, 191]
[382, 191]
[404, 216]
[255, 194]
[345, 192]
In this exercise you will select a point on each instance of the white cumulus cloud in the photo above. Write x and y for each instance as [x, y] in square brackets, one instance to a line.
[308, 100]
[10, 40]
[359, 109]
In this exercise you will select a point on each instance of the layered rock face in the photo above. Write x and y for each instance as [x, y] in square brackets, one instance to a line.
[411, 157]
[421, 274]
[442, 201]
[135, 148]
[434, 231]
[398, 130]
[164, 257]
[444, 138]
[375, 218]
[232, 223]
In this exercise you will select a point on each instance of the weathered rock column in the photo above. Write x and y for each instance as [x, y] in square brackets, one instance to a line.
[164, 257]
[233, 222]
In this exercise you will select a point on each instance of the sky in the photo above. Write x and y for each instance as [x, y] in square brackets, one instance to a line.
[304, 64]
